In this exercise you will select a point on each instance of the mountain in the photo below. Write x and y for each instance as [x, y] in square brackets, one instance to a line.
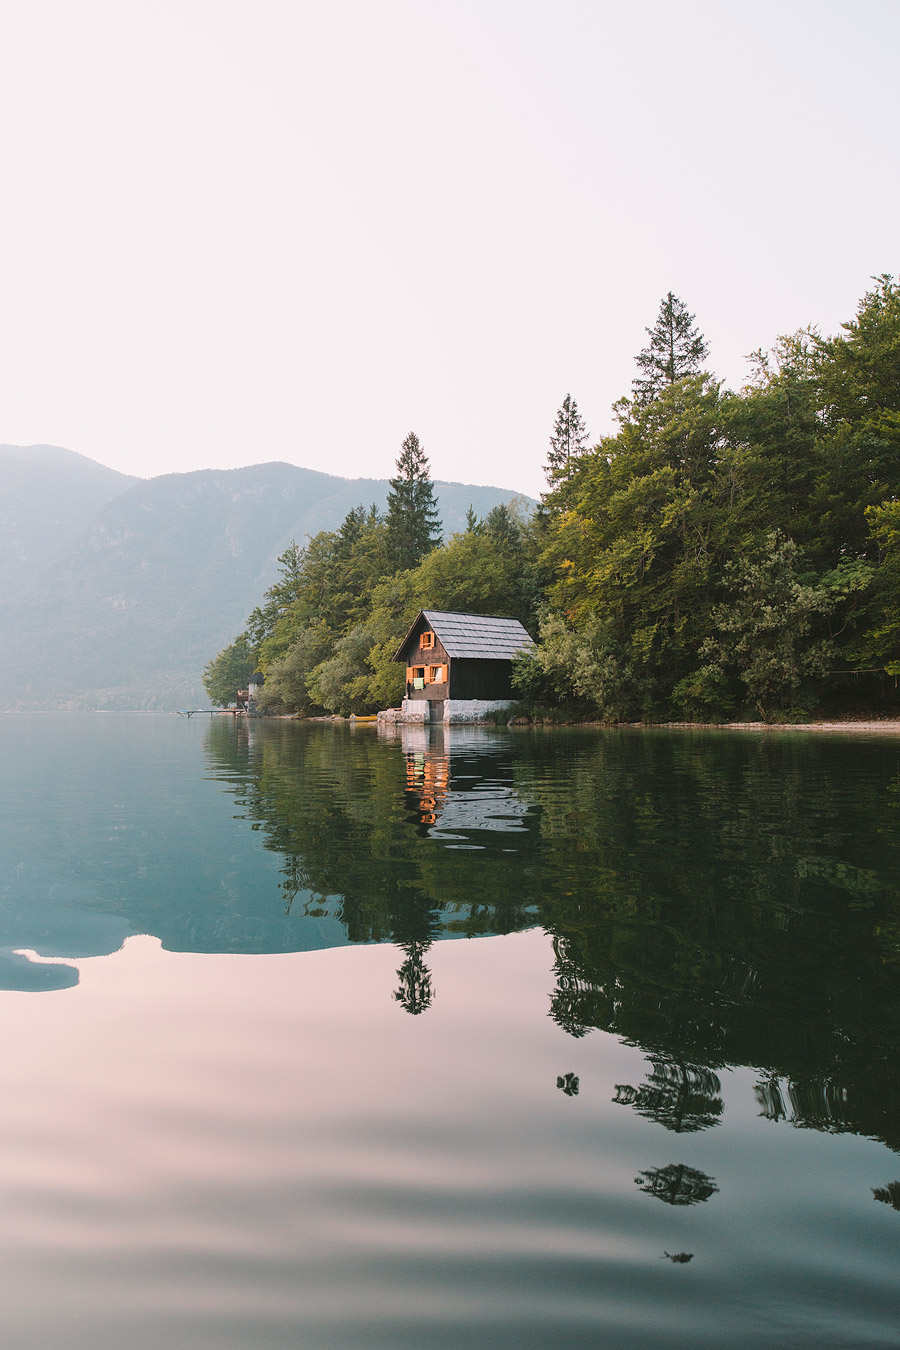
[47, 497]
[119, 600]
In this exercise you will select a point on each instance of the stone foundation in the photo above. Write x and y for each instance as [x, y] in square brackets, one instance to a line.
[418, 710]
[472, 709]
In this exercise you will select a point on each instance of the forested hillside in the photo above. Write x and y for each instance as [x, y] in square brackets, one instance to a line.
[115, 590]
[326, 632]
[724, 554]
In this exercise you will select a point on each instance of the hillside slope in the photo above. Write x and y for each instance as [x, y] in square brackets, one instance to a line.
[48, 495]
[127, 613]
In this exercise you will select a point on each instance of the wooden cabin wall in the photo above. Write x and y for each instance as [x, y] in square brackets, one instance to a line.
[471, 678]
[414, 655]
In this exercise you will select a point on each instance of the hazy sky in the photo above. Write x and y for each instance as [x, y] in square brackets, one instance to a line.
[241, 232]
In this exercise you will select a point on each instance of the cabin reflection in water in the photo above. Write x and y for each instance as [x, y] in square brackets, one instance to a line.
[427, 774]
[452, 784]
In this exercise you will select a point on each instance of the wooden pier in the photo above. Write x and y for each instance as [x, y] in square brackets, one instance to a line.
[211, 712]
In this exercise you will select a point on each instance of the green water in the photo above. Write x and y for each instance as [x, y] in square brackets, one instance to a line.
[319, 1038]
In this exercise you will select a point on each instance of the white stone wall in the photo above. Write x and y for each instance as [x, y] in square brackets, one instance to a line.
[471, 709]
[455, 710]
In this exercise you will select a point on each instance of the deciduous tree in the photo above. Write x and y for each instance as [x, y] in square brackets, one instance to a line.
[229, 671]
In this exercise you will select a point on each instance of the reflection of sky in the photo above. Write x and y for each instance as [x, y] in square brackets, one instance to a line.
[115, 825]
[264, 1149]
[188, 1158]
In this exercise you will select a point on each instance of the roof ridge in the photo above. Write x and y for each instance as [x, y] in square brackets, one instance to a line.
[471, 614]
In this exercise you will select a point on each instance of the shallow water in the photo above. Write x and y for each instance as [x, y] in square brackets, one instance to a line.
[254, 1096]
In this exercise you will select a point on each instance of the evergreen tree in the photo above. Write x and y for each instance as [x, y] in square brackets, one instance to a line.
[677, 348]
[569, 440]
[412, 522]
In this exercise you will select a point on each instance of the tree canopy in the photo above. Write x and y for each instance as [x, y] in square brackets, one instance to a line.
[722, 555]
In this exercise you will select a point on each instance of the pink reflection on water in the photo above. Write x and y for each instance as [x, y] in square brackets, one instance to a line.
[208, 1137]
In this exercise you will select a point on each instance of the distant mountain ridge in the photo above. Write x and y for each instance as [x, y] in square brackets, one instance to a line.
[116, 591]
[47, 496]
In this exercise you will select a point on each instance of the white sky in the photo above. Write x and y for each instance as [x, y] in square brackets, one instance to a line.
[237, 232]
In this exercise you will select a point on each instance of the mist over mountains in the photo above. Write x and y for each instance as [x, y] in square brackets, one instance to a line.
[116, 591]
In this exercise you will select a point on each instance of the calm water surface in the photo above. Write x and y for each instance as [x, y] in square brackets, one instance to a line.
[316, 1038]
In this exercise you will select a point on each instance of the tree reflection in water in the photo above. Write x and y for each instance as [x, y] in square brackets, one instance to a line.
[713, 899]
[888, 1195]
[676, 1184]
[681, 1097]
[569, 1083]
[416, 993]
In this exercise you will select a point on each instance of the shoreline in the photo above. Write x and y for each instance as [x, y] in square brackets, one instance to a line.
[889, 725]
[884, 726]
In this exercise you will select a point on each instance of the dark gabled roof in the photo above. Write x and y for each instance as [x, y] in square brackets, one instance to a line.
[482, 636]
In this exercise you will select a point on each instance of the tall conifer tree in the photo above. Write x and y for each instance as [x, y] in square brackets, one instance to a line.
[677, 348]
[569, 440]
[412, 521]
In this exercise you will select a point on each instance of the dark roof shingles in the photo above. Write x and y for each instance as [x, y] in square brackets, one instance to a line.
[478, 635]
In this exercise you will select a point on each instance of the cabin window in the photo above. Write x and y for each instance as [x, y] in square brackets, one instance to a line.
[426, 640]
[418, 677]
[435, 674]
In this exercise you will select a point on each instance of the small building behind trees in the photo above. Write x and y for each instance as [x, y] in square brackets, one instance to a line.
[459, 666]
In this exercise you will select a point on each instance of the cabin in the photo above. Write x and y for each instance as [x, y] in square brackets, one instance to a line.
[459, 666]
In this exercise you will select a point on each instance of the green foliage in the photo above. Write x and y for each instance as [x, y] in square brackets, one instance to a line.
[637, 538]
[588, 667]
[677, 348]
[880, 646]
[228, 672]
[413, 528]
[340, 682]
[288, 678]
[721, 553]
[278, 598]
[768, 631]
[568, 441]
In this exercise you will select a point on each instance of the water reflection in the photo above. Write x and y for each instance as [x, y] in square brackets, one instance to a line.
[888, 1195]
[680, 1097]
[677, 1184]
[416, 993]
[713, 900]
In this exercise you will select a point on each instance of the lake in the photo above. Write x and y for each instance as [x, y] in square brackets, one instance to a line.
[316, 1036]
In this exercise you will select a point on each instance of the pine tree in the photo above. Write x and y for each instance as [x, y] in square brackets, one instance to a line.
[569, 440]
[412, 521]
[677, 348]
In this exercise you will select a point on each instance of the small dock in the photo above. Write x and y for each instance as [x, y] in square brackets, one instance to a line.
[211, 712]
